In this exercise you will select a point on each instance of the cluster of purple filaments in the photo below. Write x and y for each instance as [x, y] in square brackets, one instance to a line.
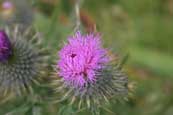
[81, 58]
[5, 47]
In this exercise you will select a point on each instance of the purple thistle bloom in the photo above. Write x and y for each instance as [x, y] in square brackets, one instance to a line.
[7, 5]
[80, 59]
[88, 76]
[5, 47]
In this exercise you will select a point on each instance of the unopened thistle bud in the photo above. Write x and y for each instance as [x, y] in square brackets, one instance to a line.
[86, 75]
[23, 61]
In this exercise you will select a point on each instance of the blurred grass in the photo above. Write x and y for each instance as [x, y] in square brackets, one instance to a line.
[157, 62]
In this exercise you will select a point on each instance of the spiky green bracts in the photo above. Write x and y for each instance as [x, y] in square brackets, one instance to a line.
[26, 62]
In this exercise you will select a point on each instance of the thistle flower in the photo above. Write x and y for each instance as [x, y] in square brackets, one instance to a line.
[7, 5]
[22, 61]
[86, 73]
[80, 59]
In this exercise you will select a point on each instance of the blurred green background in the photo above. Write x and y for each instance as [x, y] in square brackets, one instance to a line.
[141, 29]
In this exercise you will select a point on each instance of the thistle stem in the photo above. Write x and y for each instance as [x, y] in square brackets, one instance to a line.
[77, 13]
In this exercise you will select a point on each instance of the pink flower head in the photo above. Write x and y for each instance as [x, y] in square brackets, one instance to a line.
[81, 58]
[7, 4]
